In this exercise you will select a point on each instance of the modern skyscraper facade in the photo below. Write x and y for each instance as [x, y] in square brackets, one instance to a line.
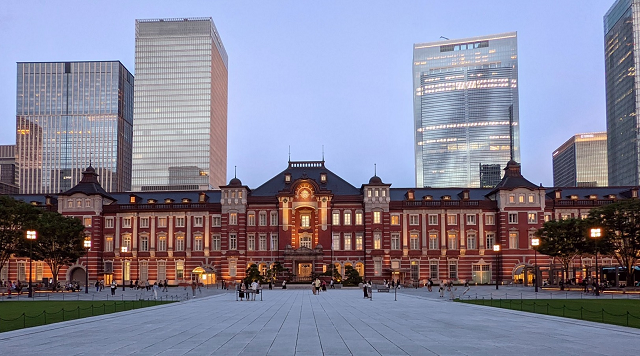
[71, 114]
[180, 112]
[465, 108]
[622, 50]
[8, 171]
[581, 161]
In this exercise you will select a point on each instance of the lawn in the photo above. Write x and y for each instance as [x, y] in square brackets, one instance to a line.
[17, 315]
[625, 312]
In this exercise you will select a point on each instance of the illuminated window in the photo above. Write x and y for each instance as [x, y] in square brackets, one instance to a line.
[395, 241]
[377, 217]
[108, 244]
[347, 218]
[162, 243]
[520, 198]
[414, 241]
[233, 218]
[358, 218]
[304, 221]
[433, 241]
[513, 240]
[453, 241]
[532, 198]
[336, 218]
[180, 270]
[179, 242]
[251, 219]
[359, 241]
[512, 198]
[197, 243]
[126, 242]
[87, 222]
[347, 241]
[532, 218]
[377, 240]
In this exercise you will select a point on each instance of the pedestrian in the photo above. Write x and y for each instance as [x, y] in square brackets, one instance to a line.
[254, 287]
[313, 287]
[101, 285]
[240, 288]
[155, 290]
[441, 289]
[317, 285]
[166, 284]
[429, 284]
[284, 284]
[113, 287]
[97, 285]
[324, 286]
[193, 288]
[270, 285]
[331, 286]
[364, 289]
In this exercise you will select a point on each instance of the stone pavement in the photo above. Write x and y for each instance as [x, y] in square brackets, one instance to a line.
[338, 322]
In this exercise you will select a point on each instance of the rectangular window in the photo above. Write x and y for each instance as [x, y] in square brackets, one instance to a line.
[251, 242]
[453, 240]
[22, 271]
[490, 219]
[414, 219]
[336, 218]
[377, 217]
[108, 223]
[377, 240]
[471, 241]
[547, 217]
[453, 270]
[126, 222]
[377, 268]
[274, 218]
[144, 271]
[144, 222]
[433, 219]
[87, 222]
[512, 198]
[126, 242]
[513, 240]
[179, 270]
[162, 222]
[233, 218]
[358, 218]
[347, 242]
[532, 218]
[233, 241]
[162, 270]
[126, 268]
[433, 241]
[263, 240]
[347, 218]
[513, 218]
[395, 241]
[336, 242]
[162, 243]
[532, 198]
[216, 221]
[108, 244]
[452, 219]
[415, 270]
[359, 241]
[414, 241]
[584, 216]
[180, 243]
[491, 240]
[180, 222]
[262, 216]
[197, 243]
[274, 242]
[144, 243]
[433, 270]
[198, 221]
[395, 219]
[215, 242]
[305, 221]
[532, 234]
[233, 268]
[251, 219]
[520, 198]
[471, 219]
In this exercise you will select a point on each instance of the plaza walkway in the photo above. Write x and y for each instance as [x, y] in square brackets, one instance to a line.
[338, 322]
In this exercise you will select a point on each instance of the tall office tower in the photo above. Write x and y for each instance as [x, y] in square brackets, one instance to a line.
[180, 111]
[71, 114]
[465, 97]
[622, 58]
[581, 161]
[8, 171]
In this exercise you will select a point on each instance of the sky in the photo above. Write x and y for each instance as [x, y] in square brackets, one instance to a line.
[304, 75]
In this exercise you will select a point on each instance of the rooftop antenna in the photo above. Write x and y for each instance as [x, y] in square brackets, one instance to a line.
[444, 38]
[289, 153]
[235, 171]
[375, 170]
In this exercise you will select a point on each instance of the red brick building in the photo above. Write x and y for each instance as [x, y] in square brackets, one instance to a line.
[307, 218]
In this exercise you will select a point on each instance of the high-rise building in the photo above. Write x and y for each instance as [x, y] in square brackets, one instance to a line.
[8, 171]
[70, 115]
[465, 109]
[581, 161]
[622, 58]
[180, 111]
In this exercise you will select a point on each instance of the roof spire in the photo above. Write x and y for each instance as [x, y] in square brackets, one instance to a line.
[375, 170]
[235, 171]
[322, 153]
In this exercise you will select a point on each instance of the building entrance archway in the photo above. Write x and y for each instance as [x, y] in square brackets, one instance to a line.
[78, 274]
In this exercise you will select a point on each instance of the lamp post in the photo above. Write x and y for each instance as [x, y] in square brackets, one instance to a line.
[496, 249]
[535, 242]
[124, 250]
[31, 235]
[87, 246]
[596, 233]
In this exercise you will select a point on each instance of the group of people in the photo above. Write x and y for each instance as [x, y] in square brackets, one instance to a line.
[366, 288]
[391, 284]
[248, 291]
[318, 285]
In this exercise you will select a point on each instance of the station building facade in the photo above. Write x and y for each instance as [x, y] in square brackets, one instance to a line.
[308, 218]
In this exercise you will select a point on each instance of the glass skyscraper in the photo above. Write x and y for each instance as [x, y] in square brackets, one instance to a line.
[70, 115]
[465, 106]
[180, 111]
[622, 41]
[581, 161]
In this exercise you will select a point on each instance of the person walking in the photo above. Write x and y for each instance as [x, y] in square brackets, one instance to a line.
[317, 284]
[441, 289]
[155, 290]
[429, 284]
[254, 287]
[113, 287]
[284, 284]
[166, 284]
[364, 289]
[331, 286]
[193, 288]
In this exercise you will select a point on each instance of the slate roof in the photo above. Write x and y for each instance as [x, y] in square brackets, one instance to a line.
[88, 185]
[513, 178]
[584, 192]
[213, 196]
[306, 170]
[398, 194]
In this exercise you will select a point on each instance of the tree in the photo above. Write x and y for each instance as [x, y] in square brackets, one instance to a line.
[564, 240]
[621, 224]
[16, 218]
[333, 272]
[60, 241]
[253, 274]
[352, 276]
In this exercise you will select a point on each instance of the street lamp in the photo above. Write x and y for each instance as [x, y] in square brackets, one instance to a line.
[124, 250]
[596, 234]
[31, 235]
[87, 246]
[535, 242]
[496, 249]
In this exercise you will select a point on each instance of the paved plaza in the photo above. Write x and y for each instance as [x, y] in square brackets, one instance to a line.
[338, 322]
